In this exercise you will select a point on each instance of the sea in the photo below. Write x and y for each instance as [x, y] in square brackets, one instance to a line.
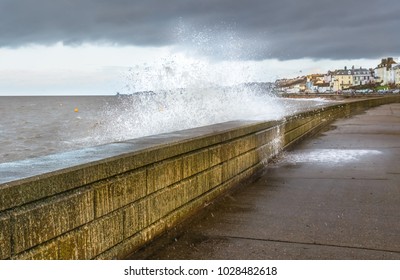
[33, 126]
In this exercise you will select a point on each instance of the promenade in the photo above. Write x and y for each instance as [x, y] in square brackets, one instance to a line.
[334, 196]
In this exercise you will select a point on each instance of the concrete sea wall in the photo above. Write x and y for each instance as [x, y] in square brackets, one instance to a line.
[104, 202]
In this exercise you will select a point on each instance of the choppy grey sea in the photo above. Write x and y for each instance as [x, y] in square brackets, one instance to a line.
[35, 126]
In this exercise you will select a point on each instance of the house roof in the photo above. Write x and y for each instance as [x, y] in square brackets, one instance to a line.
[352, 71]
[387, 62]
[323, 85]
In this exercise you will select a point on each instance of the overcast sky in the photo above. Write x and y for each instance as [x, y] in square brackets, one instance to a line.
[47, 44]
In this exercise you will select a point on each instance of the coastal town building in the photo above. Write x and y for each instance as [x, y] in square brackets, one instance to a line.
[346, 78]
[363, 76]
[316, 83]
[396, 73]
[341, 79]
[295, 85]
[384, 73]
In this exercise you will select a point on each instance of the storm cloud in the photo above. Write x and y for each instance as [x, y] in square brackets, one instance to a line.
[252, 29]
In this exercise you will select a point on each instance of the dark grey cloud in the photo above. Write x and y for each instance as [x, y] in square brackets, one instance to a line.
[251, 29]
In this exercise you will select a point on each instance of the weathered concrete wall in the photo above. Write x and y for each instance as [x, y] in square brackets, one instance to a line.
[105, 202]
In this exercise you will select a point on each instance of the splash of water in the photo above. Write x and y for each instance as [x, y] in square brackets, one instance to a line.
[180, 93]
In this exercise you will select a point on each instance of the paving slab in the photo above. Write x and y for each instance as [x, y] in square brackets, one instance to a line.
[334, 196]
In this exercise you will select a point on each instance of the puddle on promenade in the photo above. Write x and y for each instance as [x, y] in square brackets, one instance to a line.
[333, 156]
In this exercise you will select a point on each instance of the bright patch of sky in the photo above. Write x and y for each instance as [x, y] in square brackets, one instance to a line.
[91, 69]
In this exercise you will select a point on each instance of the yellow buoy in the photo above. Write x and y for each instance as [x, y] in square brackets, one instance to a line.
[76, 110]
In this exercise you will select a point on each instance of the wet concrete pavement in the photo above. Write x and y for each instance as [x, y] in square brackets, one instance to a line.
[334, 196]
